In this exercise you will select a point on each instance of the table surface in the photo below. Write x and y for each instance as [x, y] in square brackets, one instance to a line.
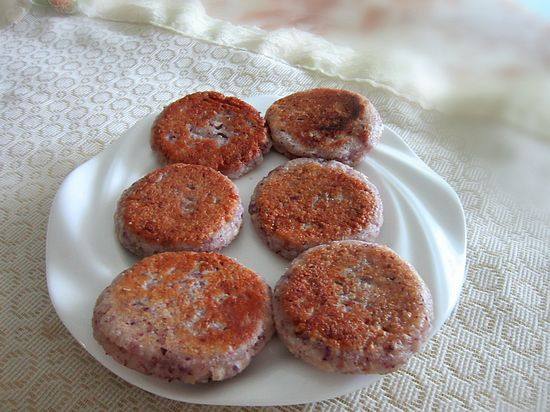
[71, 85]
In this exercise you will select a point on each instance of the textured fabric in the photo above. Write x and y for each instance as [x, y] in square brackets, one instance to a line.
[474, 58]
[70, 85]
[12, 11]
[479, 58]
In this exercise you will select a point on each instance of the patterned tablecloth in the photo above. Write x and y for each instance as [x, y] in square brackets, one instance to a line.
[71, 85]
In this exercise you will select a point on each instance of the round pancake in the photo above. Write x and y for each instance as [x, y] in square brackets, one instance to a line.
[189, 316]
[210, 129]
[179, 207]
[308, 202]
[352, 307]
[324, 123]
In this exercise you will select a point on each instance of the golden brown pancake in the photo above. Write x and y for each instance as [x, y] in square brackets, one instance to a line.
[179, 207]
[308, 202]
[210, 129]
[324, 123]
[189, 316]
[353, 307]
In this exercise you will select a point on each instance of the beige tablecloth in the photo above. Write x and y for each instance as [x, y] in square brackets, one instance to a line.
[71, 85]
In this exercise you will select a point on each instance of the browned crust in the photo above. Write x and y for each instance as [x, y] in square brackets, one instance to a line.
[308, 202]
[172, 141]
[357, 298]
[325, 120]
[229, 295]
[177, 204]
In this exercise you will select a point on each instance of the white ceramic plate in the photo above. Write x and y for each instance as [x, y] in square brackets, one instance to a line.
[423, 222]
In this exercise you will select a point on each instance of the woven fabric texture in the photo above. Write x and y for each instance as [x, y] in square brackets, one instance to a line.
[70, 85]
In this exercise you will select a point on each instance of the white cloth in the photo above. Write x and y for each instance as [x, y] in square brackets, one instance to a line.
[474, 59]
[485, 60]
